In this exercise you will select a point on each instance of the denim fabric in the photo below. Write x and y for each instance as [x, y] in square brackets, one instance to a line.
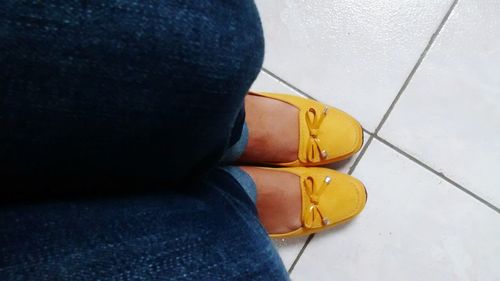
[208, 233]
[246, 182]
[144, 89]
[234, 152]
[100, 96]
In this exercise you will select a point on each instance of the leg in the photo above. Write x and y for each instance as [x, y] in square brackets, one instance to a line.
[148, 89]
[211, 233]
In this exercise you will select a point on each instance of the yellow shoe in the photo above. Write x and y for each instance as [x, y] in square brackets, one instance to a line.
[328, 199]
[326, 134]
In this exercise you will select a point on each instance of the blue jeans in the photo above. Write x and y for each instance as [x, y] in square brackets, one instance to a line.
[114, 117]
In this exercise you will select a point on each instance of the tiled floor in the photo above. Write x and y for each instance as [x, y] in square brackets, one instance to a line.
[423, 77]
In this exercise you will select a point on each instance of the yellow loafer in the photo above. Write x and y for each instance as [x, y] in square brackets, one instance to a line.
[328, 199]
[326, 134]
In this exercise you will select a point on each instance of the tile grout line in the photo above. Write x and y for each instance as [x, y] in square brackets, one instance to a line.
[309, 238]
[268, 72]
[440, 175]
[429, 168]
[361, 154]
[416, 66]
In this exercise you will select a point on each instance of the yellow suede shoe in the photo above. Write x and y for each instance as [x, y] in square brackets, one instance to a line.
[328, 199]
[326, 134]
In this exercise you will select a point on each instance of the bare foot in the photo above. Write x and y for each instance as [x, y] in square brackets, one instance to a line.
[273, 130]
[279, 201]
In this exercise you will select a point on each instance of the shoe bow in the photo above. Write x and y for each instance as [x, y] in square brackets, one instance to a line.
[314, 217]
[315, 152]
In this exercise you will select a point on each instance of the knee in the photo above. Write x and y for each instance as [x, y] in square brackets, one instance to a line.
[216, 43]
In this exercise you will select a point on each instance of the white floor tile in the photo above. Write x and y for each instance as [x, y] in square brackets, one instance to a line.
[449, 116]
[353, 55]
[415, 227]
